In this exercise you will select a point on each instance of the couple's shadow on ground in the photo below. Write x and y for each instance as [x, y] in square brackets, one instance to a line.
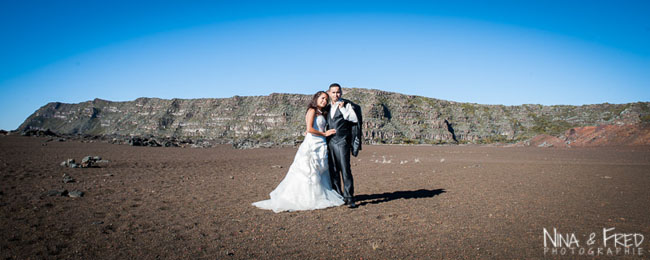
[388, 196]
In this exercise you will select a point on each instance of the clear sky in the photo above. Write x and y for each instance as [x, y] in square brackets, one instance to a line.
[488, 52]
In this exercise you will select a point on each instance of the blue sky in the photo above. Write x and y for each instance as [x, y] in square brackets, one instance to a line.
[487, 52]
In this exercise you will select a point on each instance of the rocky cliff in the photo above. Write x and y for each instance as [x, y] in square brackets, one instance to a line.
[279, 118]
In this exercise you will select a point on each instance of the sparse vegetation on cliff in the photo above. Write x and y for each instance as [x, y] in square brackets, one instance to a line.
[278, 118]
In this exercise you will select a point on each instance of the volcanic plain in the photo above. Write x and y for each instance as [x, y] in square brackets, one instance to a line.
[424, 202]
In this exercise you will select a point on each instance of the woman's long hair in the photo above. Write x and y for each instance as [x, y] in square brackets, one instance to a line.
[314, 101]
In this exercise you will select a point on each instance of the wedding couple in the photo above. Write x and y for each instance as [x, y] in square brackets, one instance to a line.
[314, 178]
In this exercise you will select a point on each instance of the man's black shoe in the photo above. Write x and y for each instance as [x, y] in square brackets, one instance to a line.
[351, 204]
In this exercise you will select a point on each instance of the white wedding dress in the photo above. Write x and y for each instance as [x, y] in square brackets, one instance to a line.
[307, 183]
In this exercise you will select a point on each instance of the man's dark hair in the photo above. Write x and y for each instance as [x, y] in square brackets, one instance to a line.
[336, 85]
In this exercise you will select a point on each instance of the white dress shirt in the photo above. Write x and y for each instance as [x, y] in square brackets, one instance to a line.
[347, 111]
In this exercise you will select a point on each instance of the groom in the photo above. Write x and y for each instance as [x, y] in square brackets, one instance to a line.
[345, 117]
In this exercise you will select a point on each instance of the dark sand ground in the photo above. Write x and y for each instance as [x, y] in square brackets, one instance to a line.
[458, 202]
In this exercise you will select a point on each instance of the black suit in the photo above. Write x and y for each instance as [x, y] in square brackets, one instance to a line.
[340, 145]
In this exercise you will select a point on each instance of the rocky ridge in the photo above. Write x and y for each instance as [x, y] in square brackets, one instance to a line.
[278, 119]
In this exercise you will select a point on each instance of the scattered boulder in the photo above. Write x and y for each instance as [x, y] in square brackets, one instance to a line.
[64, 193]
[56, 193]
[67, 178]
[201, 144]
[137, 141]
[38, 132]
[151, 141]
[90, 161]
[246, 144]
[86, 162]
[70, 163]
[75, 194]
[170, 143]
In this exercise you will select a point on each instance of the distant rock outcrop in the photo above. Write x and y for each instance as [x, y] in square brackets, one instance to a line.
[602, 135]
[638, 134]
[279, 119]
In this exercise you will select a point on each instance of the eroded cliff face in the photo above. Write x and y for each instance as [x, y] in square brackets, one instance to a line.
[279, 118]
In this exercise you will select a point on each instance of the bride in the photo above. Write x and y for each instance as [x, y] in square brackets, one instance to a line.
[307, 183]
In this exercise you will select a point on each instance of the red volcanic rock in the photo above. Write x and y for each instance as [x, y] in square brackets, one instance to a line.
[602, 135]
[605, 135]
